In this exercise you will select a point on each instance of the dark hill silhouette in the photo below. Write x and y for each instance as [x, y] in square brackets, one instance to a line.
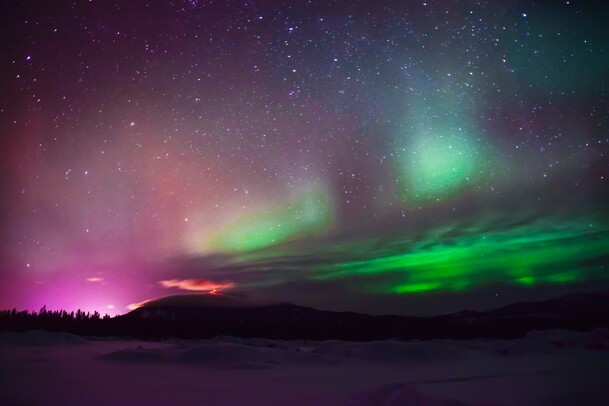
[575, 305]
[206, 315]
[209, 315]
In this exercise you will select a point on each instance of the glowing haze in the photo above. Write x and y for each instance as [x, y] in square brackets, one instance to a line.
[388, 157]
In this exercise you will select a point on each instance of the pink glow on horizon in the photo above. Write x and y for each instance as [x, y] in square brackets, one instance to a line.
[68, 290]
[109, 290]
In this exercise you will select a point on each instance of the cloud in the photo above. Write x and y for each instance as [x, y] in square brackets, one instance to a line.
[95, 279]
[199, 285]
[134, 306]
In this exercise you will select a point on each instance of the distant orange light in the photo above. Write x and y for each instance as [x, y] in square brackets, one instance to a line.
[202, 285]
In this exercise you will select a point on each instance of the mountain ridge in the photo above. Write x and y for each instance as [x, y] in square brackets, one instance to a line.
[212, 316]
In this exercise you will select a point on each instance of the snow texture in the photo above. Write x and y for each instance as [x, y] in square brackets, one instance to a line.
[545, 368]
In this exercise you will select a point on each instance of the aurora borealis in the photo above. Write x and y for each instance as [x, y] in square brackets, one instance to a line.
[396, 157]
[535, 254]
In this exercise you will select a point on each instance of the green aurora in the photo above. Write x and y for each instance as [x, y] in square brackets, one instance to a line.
[441, 156]
[306, 214]
[437, 164]
[539, 253]
[440, 152]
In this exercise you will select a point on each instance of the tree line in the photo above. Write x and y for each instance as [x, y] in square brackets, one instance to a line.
[79, 322]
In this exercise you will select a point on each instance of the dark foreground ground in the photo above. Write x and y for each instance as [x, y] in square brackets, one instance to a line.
[545, 368]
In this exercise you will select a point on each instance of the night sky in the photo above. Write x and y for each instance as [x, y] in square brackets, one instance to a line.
[409, 157]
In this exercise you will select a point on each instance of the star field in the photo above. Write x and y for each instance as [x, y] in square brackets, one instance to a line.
[405, 157]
